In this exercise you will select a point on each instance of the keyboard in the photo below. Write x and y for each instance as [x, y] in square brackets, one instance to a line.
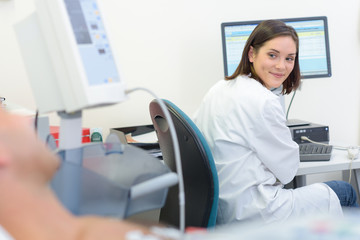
[314, 152]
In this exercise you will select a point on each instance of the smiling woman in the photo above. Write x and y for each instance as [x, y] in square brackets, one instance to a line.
[278, 42]
[245, 126]
[274, 61]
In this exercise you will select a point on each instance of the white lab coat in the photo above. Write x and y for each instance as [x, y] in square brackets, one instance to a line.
[244, 124]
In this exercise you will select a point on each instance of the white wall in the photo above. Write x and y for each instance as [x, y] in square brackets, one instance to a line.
[13, 80]
[174, 49]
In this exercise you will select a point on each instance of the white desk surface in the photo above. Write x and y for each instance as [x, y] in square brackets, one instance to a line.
[338, 162]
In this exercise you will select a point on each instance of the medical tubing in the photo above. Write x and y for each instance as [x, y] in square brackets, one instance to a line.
[288, 110]
[176, 153]
[350, 168]
[352, 155]
[324, 144]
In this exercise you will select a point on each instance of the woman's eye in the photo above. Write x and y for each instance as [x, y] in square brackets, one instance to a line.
[272, 55]
[290, 59]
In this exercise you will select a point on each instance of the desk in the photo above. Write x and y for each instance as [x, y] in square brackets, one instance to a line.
[338, 162]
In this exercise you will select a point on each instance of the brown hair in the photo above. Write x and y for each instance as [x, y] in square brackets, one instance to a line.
[264, 32]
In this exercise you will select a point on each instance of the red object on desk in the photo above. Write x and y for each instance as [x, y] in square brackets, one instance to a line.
[195, 230]
[54, 131]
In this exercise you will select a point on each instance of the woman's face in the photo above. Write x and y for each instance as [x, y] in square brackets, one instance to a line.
[274, 61]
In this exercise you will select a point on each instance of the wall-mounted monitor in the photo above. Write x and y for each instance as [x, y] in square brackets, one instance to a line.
[314, 53]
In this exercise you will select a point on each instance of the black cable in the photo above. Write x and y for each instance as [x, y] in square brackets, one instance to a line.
[288, 110]
[36, 120]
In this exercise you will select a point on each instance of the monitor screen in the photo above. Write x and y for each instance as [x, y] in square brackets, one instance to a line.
[68, 56]
[314, 54]
[92, 42]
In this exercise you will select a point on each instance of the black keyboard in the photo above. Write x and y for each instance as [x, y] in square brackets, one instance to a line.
[314, 152]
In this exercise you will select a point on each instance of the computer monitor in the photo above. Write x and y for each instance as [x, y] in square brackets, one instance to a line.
[68, 57]
[314, 53]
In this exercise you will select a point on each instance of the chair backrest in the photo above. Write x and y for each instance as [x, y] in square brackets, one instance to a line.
[199, 171]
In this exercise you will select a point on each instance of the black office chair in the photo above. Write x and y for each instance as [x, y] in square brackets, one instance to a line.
[199, 172]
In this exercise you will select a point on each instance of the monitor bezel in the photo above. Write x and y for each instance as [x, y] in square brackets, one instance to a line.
[326, 31]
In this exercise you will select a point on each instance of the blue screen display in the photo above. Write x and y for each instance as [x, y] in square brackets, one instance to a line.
[314, 54]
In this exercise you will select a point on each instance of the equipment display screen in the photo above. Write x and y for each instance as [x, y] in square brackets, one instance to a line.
[92, 41]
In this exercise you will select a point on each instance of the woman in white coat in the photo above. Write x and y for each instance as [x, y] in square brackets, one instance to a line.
[245, 126]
